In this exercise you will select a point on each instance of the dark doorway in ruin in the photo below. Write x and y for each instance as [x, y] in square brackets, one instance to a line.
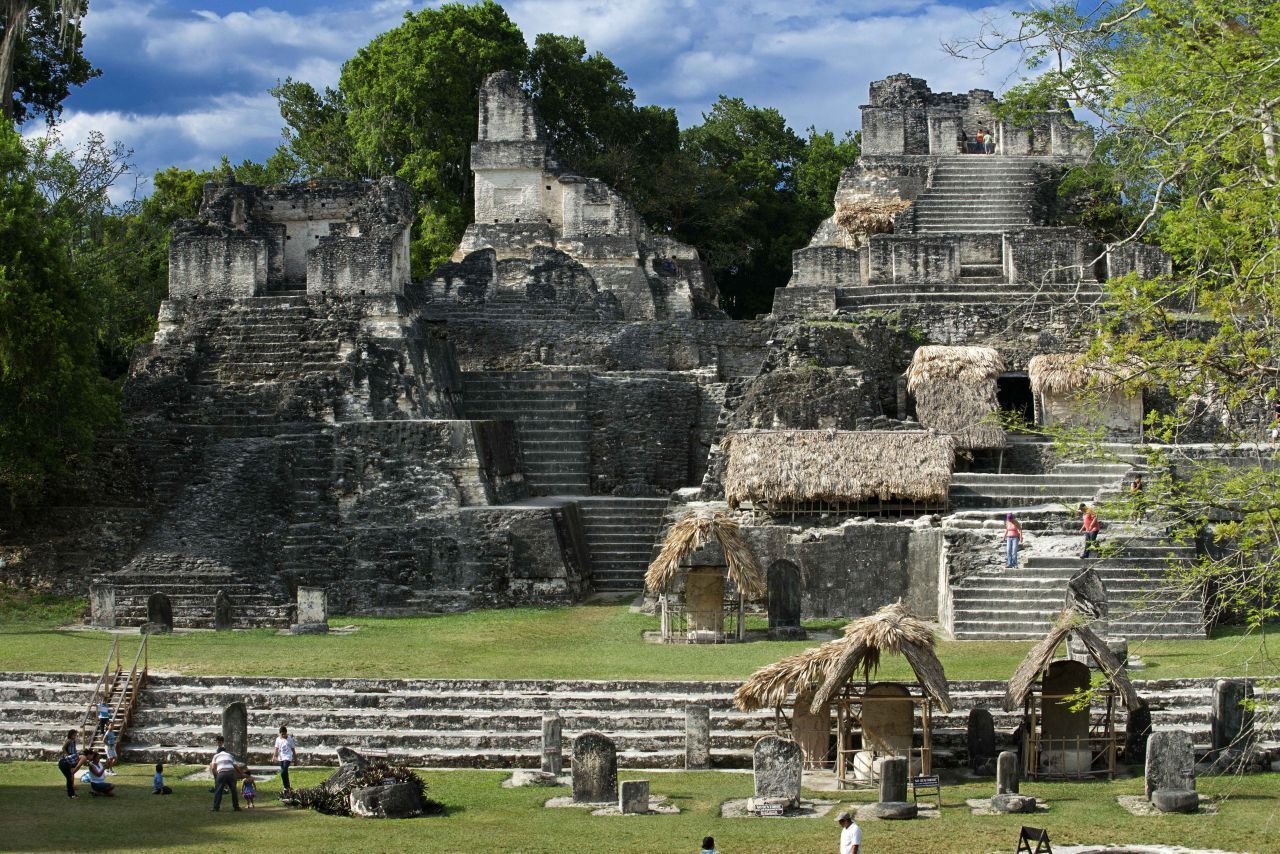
[1013, 394]
[784, 601]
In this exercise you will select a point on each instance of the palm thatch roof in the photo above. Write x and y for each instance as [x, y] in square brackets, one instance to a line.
[867, 215]
[770, 686]
[955, 389]
[1071, 620]
[774, 466]
[891, 629]
[692, 533]
[1065, 373]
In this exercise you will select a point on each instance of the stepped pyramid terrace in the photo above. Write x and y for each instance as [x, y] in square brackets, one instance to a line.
[320, 429]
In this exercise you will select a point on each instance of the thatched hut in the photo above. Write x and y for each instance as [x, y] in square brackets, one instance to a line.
[1073, 391]
[862, 214]
[955, 390]
[880, 715]
[866, 472]
[1061, 738]
[699, 554]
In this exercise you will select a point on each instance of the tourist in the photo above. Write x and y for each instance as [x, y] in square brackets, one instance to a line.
[249, 789]
[104, 715]
[1012, 539]
[285, 753]
[708, 845]
[850, 834]
[220, 748]
[1089, 526]
[110, 740]
[989, 143]
[69, 761]
[1135, 492]
[223, 769]
[981, 142]
[98, 784]
[157, 782]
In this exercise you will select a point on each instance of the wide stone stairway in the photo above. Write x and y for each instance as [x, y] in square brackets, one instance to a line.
[977, 193]
[269, 361]
[479, 723]
[621, 533]
[549, 408]
[191, 584]
[1068, 483]
[1021, 603]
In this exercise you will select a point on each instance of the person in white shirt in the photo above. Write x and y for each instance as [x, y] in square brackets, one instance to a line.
[285, 753]
[850, 834]
[223, 769]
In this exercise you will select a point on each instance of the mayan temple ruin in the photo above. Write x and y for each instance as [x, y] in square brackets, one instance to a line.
[522, 424]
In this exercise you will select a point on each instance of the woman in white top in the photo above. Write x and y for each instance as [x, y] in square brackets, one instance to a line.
[285, 753]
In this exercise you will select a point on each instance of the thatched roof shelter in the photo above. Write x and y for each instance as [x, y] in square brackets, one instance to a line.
[891, 629]
[770, 686]
[775, 466]
[1071, 620]
[692, 533]
[955, 390]
[1067, 373]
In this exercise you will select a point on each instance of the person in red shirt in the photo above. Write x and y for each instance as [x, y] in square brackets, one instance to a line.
[1012, 539]
[1089, 526]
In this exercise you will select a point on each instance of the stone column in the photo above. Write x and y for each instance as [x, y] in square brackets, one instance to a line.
[1232, 719]
[552, 757]
[895, 773]
[313, 612]
[1007, 773]
[697, 738]
[235, 730]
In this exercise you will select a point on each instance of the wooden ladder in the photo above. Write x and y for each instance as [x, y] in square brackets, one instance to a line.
[119, 689]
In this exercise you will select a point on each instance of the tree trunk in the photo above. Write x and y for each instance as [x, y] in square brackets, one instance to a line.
[1269, 141]
[15, 21]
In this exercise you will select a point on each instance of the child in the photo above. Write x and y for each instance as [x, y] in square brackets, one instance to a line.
[110, 741]
[249, 789]
[157, 782]
[104, 714]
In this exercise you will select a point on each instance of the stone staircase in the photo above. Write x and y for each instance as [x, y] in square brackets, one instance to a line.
[1068, 484]
[515, 307]
[191, 585]
[549, 408]
[479, 723]
[621, 535]
[977, 193]
[268, 360]
[970, 290]
[1020, 603]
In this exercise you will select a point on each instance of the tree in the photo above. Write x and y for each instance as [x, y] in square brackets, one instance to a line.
[1187, 93]
[41, 56]
[316, 133]
[411, 102]
[52, 398]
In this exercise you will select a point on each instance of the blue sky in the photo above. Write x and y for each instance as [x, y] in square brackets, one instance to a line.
[184, 83]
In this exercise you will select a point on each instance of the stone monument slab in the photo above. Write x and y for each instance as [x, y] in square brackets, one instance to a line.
[102, 605]
[777, 765]
[784, 601]
[222, 618]
[1007, 773]
[634, 798]
[312, 611]
[1064, 731]
[235, 730]
[888, 719]
[1232, 716]
[1171, 761]
[159, 613]
[981, 738]
[595, 769]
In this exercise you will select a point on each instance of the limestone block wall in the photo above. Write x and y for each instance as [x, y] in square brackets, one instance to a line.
[913, 259]
[643, 431]
[218, 265]
[1148, 262]
[854, 570]
[1051, 256]
[374, 262]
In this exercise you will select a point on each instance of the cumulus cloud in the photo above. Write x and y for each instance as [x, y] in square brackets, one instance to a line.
[183, 87]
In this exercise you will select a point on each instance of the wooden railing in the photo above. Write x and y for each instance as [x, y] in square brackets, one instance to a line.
[89, 723]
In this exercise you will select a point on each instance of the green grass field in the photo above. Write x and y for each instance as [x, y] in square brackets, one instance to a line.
[482, 816]
[579, 642]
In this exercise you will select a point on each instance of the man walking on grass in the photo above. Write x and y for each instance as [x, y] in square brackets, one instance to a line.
[850, 834]
[223, 769]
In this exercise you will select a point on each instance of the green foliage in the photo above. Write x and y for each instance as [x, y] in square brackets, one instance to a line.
[1188, 93]
[52, 398]
[48, 62]
[26, 607]
[410, 97]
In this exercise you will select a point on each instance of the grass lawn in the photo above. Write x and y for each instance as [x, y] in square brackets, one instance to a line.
[482, 816]
[582, 642]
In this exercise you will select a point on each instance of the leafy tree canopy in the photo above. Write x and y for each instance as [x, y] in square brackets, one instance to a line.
[41, 57]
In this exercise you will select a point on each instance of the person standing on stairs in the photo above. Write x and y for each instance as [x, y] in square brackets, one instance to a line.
[1012, 540]
[1089, 526]
[70, 761]
[110, 740]
[989, 143]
